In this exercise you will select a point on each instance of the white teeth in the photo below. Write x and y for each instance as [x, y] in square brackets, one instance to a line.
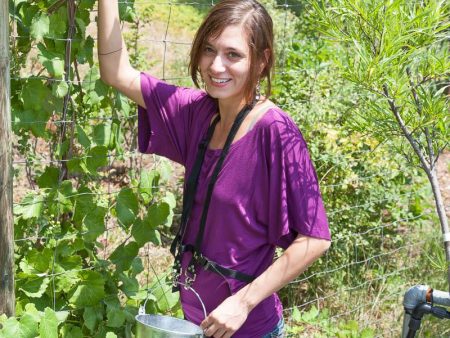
[219, 80]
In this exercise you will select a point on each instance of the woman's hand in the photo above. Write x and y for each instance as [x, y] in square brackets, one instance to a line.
[226, 319]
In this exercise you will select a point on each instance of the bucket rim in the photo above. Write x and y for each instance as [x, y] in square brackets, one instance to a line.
[176, 332]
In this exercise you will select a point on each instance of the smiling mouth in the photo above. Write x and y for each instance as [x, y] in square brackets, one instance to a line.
[216, 80]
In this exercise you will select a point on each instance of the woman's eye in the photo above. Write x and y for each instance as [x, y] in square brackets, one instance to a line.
[233, 55]
[208, 50]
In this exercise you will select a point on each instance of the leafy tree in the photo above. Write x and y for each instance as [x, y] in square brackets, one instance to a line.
[397, 54]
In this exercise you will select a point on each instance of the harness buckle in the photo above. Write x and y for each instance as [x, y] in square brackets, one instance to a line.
[189, 279]
[176, 277]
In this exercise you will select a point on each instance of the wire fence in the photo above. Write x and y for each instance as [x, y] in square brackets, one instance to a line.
[368, 300]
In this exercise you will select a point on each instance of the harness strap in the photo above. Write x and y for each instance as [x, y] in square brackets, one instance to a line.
[191, 186]
[177, 249]
[226, 148]
[212, 266]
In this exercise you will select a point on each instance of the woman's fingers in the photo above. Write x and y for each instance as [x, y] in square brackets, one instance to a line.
[210, 330]
[215, 329]
[220, 333]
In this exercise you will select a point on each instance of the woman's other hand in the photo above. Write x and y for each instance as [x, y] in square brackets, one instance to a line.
[226, 319]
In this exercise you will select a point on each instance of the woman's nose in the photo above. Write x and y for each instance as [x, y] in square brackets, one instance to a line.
[217, 64]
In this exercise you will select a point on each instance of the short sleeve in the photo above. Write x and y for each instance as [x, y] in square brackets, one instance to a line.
[167, 124]
[296, 205]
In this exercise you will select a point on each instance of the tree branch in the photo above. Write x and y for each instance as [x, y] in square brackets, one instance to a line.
[406, 132]
[420, 113]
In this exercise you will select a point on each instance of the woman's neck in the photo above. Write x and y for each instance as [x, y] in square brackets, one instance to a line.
[229, 111]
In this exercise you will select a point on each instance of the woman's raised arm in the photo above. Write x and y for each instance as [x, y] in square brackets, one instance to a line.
[115, 67]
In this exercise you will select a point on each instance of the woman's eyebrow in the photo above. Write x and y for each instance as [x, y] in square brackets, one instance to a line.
[229, 48]
[235, 50]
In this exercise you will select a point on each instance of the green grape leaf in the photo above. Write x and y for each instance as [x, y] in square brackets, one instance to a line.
[52, 61]
[85, 53]
[58, 22]
[49, 178]
[11, 328]
[127, 206]
[60, 89]
[67, 280]
[130, 285]
[30, 207]
[83, 204]
[61, 316]
[111, 335]
[97, 157]
[40, 26]
[89, 291]
[76, 166]
[49, 324]
[148, 179]
[29, 325]
[144, 232]
[71, 331]
[34, 287]
[126, 12]
[95, 223]
[30, 310]
[103, 135]
[62, 196]
[36, 96]
[170, 200]
[136, 266]
[70, 262]
[121, 104]
[165, 170]
[157, 214]
[92, 316]
[123, 256]
[32, 121]
[95, 90]
[36, 262]
[116, 317]
[83, 138]
[165, 298]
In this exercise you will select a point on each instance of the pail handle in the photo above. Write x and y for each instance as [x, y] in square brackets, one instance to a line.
[187, 287]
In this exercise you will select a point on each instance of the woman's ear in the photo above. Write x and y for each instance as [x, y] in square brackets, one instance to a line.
[266, 60]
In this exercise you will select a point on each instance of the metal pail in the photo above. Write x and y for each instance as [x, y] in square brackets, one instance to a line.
[156, 326]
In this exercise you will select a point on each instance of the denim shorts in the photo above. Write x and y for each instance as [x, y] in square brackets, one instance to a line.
[277, 332]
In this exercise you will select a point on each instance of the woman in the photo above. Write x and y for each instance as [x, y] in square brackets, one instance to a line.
[250, 183]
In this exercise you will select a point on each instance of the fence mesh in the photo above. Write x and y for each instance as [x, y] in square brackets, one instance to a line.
[157, 47]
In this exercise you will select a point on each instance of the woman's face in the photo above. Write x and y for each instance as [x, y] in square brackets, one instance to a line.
[225, 64]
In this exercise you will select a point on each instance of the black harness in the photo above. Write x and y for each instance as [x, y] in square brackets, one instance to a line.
[177, 248]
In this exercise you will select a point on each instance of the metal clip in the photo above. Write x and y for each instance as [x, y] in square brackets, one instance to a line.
[176, 277]
[141, 310]
[188, 280]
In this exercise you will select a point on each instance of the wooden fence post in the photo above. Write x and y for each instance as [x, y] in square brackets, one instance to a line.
[7, 298]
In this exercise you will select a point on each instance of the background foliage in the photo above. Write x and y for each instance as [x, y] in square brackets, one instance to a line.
[92, 205]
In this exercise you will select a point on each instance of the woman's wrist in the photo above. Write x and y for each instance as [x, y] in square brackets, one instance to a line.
[246, 298]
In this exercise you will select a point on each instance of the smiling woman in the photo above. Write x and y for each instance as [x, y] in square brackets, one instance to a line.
[225, 65]
[250, 184]
[246, 36]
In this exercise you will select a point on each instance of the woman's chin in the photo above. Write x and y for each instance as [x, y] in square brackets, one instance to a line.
[219, 95]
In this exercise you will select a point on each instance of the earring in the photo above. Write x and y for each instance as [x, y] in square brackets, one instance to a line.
[258, 91]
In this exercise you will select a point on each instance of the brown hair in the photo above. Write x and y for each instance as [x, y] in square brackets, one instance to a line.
[258, 25]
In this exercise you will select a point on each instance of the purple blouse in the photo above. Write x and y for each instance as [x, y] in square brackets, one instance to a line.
[265, 195]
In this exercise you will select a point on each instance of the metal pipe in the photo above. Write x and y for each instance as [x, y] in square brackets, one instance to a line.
[420, 300]
[413, 297]
[441, 298]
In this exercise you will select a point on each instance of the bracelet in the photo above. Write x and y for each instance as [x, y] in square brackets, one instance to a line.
[114, 51]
